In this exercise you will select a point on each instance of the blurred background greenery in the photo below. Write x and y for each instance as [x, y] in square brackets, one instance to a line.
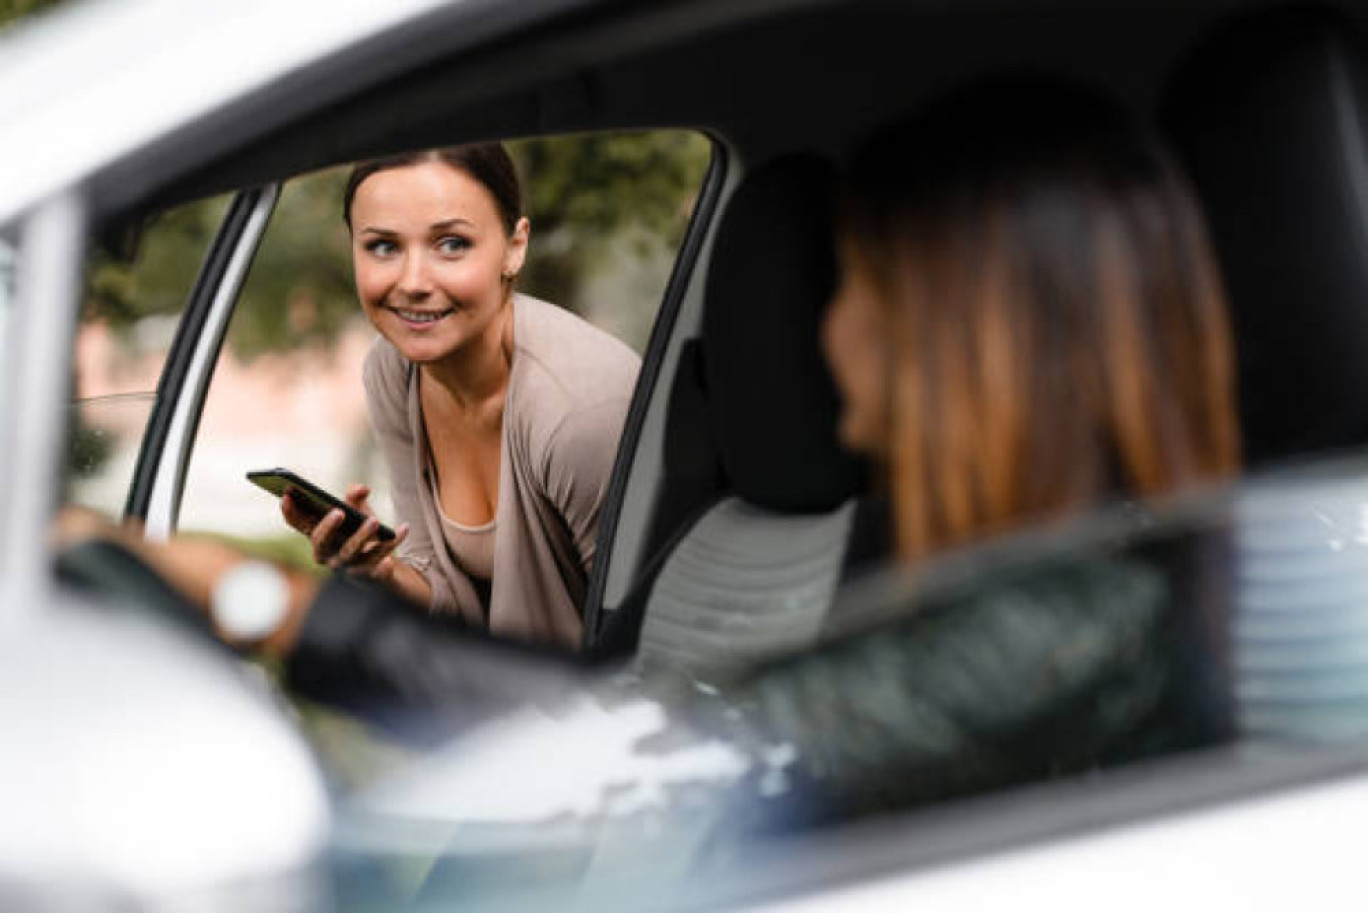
[13, 10]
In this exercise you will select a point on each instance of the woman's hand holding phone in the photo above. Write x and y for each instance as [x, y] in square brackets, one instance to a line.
[363, 553]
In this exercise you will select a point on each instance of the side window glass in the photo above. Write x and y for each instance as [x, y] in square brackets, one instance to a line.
[133, 302]
[608, 213]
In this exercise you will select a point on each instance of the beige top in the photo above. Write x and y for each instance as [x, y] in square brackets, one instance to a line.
[472, 547]
[569, 388]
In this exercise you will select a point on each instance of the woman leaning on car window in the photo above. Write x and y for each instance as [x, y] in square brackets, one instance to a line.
[498, 414]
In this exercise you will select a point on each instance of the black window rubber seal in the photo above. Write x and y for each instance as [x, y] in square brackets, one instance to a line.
[182, 353]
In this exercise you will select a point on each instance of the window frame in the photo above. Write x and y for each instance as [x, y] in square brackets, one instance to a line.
[661, 348]
[39, 330]
[159, 475]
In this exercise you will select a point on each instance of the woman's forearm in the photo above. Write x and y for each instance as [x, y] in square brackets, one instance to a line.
[409, 582]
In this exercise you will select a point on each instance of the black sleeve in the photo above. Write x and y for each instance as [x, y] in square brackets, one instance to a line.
[1060, 670]
[367, 650]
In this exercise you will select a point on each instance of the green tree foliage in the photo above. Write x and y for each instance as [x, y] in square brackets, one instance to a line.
[300, 292]
[583, 191]
[157, 281]
[13, 10]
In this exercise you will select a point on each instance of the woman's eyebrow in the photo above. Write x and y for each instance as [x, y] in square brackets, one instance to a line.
[444, 225]
[451, 223]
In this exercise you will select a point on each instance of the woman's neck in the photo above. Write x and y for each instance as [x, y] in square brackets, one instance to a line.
[477, 372]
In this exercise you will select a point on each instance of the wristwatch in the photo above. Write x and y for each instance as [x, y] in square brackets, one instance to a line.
[250, 601]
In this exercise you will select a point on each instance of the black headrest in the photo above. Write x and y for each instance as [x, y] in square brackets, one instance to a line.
[773, 399]
[1268, 115]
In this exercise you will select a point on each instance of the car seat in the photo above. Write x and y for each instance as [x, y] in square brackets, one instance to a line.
[752, 568]
[1268, 116]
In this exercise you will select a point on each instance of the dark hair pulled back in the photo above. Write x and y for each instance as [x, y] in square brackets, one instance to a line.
[487, 163]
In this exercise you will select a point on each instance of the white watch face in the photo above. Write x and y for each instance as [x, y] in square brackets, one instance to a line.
[250, 601]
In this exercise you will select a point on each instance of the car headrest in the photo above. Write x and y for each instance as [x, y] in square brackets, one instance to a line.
[1268, 115]
[773, 400]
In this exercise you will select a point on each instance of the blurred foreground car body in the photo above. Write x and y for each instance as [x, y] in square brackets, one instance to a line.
[142, 767]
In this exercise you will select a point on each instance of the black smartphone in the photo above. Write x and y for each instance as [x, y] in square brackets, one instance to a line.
[310, 498]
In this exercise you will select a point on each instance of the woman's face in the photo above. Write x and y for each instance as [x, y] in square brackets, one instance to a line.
[431, 255]
[853, 336]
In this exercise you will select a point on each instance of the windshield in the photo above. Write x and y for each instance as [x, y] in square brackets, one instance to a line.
[1158, 633]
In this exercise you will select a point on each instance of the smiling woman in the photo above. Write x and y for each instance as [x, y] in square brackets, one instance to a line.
[436, 243]
[498, 414]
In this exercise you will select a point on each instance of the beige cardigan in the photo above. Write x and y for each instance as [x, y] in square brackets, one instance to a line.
[569, 387]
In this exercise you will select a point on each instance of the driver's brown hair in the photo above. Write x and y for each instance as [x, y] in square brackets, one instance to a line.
[1060, 331]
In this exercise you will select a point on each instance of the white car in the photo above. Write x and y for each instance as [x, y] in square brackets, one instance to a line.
[144, 767]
